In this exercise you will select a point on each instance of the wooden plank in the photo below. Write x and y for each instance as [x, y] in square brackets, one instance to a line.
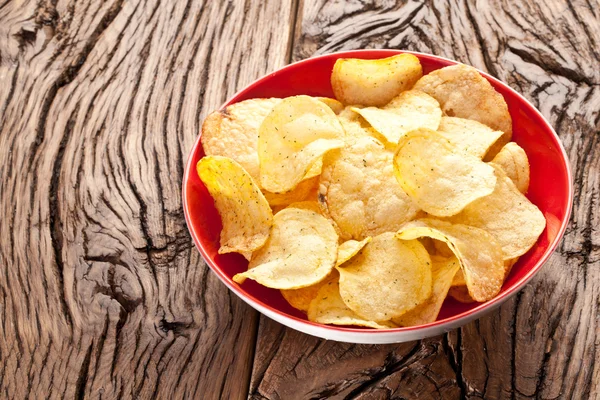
[544, 342]
[102, 293]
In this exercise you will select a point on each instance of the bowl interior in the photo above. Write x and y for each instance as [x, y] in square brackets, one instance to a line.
[550, 187]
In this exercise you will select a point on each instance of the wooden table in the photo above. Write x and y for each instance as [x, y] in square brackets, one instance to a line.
[102, 293]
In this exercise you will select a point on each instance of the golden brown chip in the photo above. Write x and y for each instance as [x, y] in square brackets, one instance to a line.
[443, 270]
[461, 294]
[233, 132]
[374, 82]
[507, 215]
[440, 180]
[300, 298]
[515, 164]
[358, 191]
[349, 249]
[459, 279]
[299, 193]
[408, 111]
[329, 308]
[464, 93]
[479, 254]
[292, 139]
[300, 251]
[470, 137]
[244, 211]
[387, 278]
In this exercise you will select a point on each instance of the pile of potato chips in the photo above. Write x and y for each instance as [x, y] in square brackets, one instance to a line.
[369, 209]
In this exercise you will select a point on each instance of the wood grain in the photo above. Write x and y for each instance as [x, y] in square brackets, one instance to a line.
[102, 294]
[544, 343]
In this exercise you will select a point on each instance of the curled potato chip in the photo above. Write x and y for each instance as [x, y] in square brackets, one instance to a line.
[462, 92]
[387, 278]
[349, 249]
[299, 193]
[461, 294]
[479, 254]
[515, 164]
[233, 132]
[443, 269]
[300, 251]
[328, 308]
[300, 298]
[359, 193]
[292, 138]
[355, 126]
[440, 180]
[470, 137]
[507, 215]
[374, 82]
[408, 111]
[459, 279]
[335, 105]
[244, 211]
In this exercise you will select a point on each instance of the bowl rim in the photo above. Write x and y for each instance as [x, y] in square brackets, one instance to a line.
[445, 324]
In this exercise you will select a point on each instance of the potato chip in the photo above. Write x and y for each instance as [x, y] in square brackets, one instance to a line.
[468, 136]
[459, 279]
[440, 180]
[507, 215]
[300, 251]
[513, 161]
[374, 82]
[335, 105]
[408, 111]
[329, 308]
[300, 298]
[479, 254]
[233, 132]
[292, 138]
[464, 93]
[461, 294]
[359, 193]
[349, 249]
[307, 205]
[354, 125]
[299, 193]
[387, 278]
[244, 211]
[443, 269]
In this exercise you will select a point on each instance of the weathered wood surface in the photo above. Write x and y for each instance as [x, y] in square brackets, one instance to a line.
[102, 294]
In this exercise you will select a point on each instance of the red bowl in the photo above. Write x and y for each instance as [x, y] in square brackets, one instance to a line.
[550, 189]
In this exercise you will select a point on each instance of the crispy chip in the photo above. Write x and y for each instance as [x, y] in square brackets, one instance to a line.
[300, 251]
[440, 180]
[358, 191]
[408, 111]
[470, 137]
[328, 308]
[292, 138]
[443, 269]
[479, 254]
[374, 82]
[507, 215]
[513, 161]
[335, 105]
[355, 126]
[349, 249]
[307, 205]
[459, 279]
[244, 211]
[387, 278]
[233, 132]
[299, 193]
[460, 293]
[464, 93]
[300, 298]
